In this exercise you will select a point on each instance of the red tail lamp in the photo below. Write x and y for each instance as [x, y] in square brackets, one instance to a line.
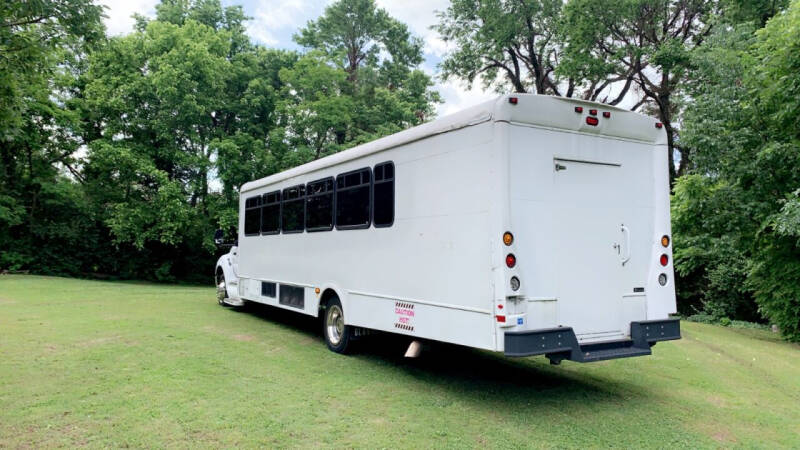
[511, 260]
[501, 319]
[593, 121]
[664, 260]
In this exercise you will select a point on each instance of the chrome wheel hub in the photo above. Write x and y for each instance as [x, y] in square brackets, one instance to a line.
[334, 324]
[222, 292]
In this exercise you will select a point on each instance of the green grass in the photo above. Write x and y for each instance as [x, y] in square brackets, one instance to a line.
[132, 364]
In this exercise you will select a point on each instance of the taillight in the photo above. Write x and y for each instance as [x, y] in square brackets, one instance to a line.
[664, 260]
[592, 121]
[511, 260]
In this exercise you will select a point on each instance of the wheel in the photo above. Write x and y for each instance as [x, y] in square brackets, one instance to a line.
[222, 290]
[338, 336]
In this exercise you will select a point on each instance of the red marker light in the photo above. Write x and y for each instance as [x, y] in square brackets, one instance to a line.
[511, 260]
[593, 121]
[659, 125]
[501, 319]
[664, 260]
[499, 306]
[513, 100]
[593, 112]
[606, 114]
[579, 109]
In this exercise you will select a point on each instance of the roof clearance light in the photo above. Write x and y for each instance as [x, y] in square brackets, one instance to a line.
[593, 121]
[513, 100]
[664, 260]
[508, 238]
[511, 260]
[593, 112]
[606, 114]
[579, 109]
[665, 241]
[659, 125]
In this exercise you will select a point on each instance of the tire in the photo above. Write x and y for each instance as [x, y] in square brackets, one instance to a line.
[338, 336]
[222, 291]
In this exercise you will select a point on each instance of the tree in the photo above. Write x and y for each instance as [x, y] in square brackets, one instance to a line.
[175, 104]
[649, 42]
[379, 57]
[42, 47]
[736, 215]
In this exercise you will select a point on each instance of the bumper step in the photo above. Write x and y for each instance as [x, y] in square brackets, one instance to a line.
[561, 343]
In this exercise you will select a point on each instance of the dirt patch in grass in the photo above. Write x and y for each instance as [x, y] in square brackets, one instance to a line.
[244, 337]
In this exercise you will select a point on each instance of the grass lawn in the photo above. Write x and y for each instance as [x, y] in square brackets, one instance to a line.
[131, 364]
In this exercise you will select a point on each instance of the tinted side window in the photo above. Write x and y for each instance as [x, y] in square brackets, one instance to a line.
[319, 205]
[252, 216]
[383, 195]
[293, 209]
[271, 213]
[353, 199]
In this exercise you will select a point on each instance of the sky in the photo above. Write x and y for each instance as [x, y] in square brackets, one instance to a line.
[274, 22]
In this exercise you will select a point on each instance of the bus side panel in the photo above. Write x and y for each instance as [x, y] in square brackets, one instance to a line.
[436, 253]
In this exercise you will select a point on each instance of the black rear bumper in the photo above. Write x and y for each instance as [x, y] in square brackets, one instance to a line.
[561, 343]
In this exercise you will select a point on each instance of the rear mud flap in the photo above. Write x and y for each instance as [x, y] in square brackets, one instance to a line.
[561, 343]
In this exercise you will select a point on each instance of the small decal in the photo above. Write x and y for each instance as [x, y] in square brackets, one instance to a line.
[520, 320]
[404, 315]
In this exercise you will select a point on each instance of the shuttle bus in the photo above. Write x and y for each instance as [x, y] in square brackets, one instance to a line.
[528, 225]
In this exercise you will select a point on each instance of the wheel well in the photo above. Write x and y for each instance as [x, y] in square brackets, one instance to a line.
[326, 296]
[219, 274]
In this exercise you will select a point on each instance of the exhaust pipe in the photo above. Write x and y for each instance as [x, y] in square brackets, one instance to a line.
[414, 349]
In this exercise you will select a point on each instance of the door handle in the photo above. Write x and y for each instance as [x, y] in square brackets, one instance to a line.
[627, 234]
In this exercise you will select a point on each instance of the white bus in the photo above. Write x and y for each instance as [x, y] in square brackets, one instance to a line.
[529, 225]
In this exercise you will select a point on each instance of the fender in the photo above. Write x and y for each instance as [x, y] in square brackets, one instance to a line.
[341, 293]
[231, 280]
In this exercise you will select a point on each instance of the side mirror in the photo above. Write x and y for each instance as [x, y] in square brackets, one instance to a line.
[219, 236]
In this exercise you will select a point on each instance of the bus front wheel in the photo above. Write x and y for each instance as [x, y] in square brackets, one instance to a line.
[338, 336]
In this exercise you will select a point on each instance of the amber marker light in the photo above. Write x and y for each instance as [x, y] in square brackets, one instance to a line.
[508, 238]
[665, 241]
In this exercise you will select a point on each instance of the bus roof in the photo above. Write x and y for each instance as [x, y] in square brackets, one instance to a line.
[534, 110]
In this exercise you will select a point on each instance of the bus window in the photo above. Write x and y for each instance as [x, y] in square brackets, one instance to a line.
[352, 199]
[383, 195]
[319, 205]
[252, 216]
[271, 213]
[293, 209]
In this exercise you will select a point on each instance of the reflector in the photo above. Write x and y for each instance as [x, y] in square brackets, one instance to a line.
[511, 260]
[664, 260]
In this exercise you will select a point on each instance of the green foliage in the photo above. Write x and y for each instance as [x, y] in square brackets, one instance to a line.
[382, 90]
[736, 220]
[121, 156]
[504, 44]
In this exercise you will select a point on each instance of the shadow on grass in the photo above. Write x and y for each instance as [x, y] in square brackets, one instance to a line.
[468, 372]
